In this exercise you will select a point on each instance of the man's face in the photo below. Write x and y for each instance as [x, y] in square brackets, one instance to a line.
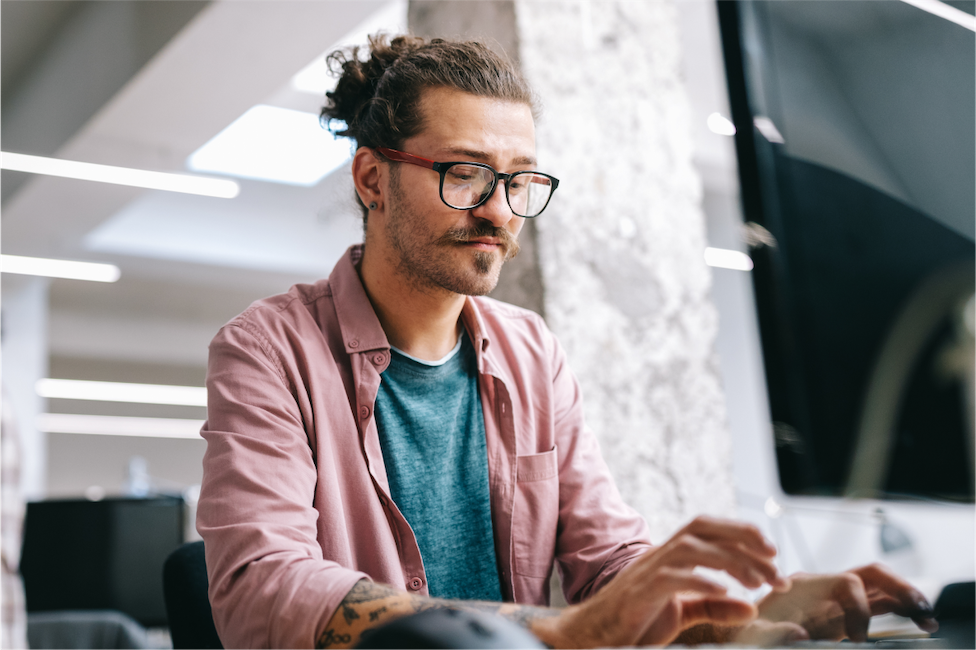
[435, 246]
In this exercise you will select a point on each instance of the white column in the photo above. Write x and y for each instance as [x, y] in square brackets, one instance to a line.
[621, 249]
[25, 360]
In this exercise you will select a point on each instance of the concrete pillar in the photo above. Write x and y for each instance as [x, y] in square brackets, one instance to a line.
[23, 337]
[616, 260]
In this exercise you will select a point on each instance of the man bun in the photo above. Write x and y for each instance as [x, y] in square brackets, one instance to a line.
[355, 92]
[380, 85]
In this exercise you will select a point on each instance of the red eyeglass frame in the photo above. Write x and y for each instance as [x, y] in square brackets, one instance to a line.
[442, 167]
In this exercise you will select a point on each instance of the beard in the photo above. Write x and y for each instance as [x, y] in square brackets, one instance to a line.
[431, 260]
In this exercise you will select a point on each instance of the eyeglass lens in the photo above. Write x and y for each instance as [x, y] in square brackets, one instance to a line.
[465, 186]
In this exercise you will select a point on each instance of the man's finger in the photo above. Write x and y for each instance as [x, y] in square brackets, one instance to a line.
[762, 633]
[688, 550]
[850, 595]
[731, 531]
[720, 610]
[887, 605]
[883, 605]
[909, 601]
[671, 581]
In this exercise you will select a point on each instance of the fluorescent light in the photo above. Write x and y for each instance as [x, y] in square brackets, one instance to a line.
[718, 123]
[216, 187]
[722, 258]
[274, 144]
[59, 268]
[110, 391]
[110, 425]
[942, 10]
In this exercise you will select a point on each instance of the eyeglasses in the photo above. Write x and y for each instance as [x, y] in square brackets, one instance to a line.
[466, 185]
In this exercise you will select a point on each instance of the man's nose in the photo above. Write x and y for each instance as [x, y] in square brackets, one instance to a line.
[496, 208]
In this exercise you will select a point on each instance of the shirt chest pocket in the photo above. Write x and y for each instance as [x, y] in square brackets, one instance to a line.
[535, 516]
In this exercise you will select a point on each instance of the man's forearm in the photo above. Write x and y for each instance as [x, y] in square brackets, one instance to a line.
[369, 605]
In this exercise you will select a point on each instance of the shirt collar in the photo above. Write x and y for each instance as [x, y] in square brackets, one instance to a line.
[361, 329]
[474, 324]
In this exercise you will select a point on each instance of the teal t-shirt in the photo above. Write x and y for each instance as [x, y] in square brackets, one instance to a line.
[432, 432]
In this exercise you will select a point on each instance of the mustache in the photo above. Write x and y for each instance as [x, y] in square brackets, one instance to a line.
[506, 240]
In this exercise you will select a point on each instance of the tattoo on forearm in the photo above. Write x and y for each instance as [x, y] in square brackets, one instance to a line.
[349, 613]
[423, 604]
[329, 639]
[382, 603]
[365, 591]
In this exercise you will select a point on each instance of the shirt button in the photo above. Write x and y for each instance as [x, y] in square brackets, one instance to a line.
[379, 359]
[364, 412]
[354, 343]
[416, 584]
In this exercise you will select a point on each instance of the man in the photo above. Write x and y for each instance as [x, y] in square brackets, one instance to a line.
[386, 441]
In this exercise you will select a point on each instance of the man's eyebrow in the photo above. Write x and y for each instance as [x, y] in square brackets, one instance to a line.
[477, 156]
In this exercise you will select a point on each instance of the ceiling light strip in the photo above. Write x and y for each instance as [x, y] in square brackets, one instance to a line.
[110, 391]
[942, 10]
[111, 425]
[186, 184]
[92, 271]
[723, 258]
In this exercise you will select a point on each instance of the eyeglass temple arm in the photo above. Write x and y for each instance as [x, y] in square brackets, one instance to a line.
[399, 156]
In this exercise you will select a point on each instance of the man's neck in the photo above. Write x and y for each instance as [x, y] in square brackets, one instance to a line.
[423, 322]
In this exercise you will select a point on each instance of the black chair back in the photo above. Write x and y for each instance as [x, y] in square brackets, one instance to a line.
[187, 604]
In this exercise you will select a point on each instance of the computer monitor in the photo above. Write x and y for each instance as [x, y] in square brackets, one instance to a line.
[855, 139]
[108, 554]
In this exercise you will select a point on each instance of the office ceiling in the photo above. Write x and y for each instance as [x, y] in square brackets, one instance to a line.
[144, 83]
[26, 28]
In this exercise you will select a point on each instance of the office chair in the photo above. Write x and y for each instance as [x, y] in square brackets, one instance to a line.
[187, 604]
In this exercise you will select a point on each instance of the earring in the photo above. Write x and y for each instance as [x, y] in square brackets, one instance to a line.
[372, 205]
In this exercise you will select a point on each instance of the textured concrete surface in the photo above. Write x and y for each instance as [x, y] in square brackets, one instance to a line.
[626, 289]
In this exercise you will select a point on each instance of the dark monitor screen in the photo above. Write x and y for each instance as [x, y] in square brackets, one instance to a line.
[855, 140]
[107, 554]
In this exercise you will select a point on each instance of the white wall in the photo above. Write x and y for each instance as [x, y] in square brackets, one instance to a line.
[25, 360]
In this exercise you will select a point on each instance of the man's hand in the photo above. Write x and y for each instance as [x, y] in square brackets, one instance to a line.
[649, 602]
[838, 606]
[659, 595]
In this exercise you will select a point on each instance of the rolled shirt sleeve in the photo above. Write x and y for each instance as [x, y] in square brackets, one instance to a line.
[269, 583]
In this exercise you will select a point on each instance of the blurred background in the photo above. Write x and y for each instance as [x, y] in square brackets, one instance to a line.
[760, 260]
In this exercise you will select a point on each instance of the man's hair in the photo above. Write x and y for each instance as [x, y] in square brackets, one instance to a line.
[380, 87]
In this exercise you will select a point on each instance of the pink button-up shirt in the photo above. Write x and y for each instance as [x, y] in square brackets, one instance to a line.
[295, 505]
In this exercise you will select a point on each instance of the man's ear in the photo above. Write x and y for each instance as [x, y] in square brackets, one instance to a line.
[368, 174]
